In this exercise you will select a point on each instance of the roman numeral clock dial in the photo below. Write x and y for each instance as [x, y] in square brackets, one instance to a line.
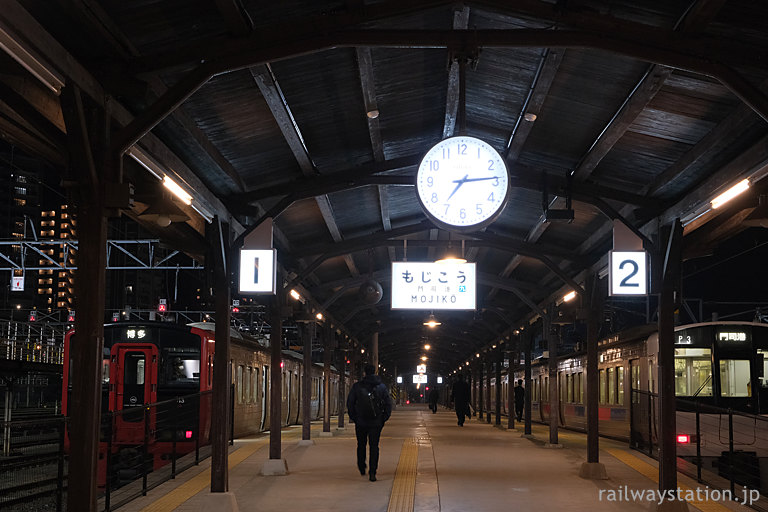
[462, 184]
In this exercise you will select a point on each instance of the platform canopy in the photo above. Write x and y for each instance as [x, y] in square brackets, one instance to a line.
[317, 114]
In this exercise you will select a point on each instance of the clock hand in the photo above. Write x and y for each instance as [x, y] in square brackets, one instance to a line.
[459, 183]
[480, 179]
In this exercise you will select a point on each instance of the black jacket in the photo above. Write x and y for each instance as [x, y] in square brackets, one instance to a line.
[381, 392]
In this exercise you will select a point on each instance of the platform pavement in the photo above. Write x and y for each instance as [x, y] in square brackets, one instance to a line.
[428, 464]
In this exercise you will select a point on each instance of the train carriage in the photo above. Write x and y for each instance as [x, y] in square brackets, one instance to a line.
[157, 380]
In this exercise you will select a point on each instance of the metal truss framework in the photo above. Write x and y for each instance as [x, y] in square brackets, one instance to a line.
[22, 255]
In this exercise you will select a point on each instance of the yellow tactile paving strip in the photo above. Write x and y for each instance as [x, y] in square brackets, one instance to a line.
[652, 473]
[404, 485]
[201, 481]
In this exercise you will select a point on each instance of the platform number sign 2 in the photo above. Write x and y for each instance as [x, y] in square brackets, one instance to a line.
[628, 273]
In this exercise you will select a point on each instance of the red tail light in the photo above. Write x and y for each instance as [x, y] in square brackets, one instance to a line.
[188, 434]
[683, 438]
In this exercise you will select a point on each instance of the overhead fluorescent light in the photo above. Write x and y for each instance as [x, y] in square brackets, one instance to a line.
[569, 296]
[177, 190]
[30, 61]
[146, 162]
[730, 194]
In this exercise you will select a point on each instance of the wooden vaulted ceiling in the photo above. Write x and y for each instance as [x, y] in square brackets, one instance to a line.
[639, 111]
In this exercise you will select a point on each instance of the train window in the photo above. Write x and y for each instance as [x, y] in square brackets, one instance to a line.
[246, 384]
[635, 369]
[580, 387]
[734, 377]
[611, 385]
[285, 386]
[603, 388]
[254, 385]
[180, 369]
[545, 390]
[134, 368]
[620, 385]
[569, 388]
[104, 371]
[239, 384]
[693, 372]
[762, 367]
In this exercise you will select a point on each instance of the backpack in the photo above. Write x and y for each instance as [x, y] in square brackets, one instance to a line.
[367, 404]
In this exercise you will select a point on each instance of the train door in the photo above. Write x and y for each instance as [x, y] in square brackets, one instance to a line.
[133, 374]
[264, 397]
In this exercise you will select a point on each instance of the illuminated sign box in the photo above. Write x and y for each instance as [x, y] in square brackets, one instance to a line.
[628, 273]
[425, 285]
[420, 379]
[421, 368]
[257, 271]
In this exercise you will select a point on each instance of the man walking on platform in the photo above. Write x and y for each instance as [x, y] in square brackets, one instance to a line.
[369, 407]
[460, 398]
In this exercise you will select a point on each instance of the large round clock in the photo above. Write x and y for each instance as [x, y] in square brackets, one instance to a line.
[462, 183]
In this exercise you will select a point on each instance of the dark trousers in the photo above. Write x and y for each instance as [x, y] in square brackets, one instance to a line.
[519, 411]
[461, 411]
[369, 435]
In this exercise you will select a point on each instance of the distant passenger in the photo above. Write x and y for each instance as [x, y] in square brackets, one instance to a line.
[369, 407]
[434, 396]
[519, 399]
[460, 398]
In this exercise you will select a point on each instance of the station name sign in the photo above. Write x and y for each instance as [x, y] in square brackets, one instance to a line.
[427, 285]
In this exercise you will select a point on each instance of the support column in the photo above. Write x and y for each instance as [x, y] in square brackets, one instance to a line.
[480, 390]
[218, 241]
[668, 299]
[554, 398]
[93, 166]
[327, 333]
[341, 357]
[499, 357]
[513, 358]
[488, 370]
[528, 336]
[307, 333]
[375, 350]
[276, 465]
[592, 468]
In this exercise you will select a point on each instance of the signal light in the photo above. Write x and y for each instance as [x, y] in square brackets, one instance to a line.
[115, 317]
[71, 317]
[162, 308]
[188, 434]
[235, 309]
[33, 316]
[282, 364]
[683, 438]
[407, 402]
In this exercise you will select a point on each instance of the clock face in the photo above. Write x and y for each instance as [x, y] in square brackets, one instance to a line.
[462, 183]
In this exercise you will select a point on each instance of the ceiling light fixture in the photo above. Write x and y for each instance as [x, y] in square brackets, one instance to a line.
[427, 347]
[30, 61]
[730, 194]
[432, 322]
[177, 190]
[296, 295]
[569, 296]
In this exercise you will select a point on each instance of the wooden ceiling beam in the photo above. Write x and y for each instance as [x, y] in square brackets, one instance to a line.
[542, 82]
[460, 22]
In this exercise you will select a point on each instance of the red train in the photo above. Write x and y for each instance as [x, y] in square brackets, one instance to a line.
[156, 391]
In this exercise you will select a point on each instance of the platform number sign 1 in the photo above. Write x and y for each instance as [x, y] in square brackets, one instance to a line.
[628, 273]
